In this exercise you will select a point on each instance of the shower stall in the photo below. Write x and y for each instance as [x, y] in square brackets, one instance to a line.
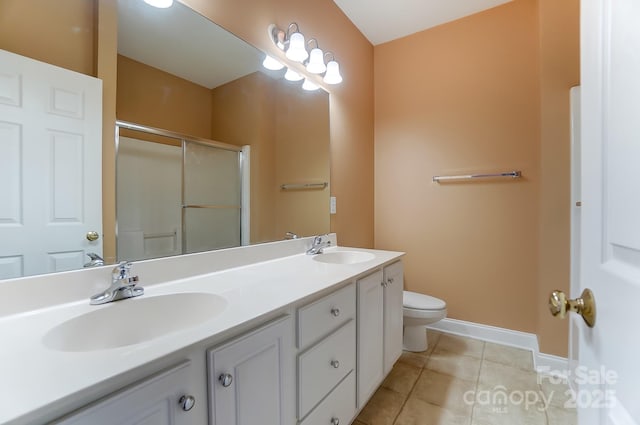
[177, 194]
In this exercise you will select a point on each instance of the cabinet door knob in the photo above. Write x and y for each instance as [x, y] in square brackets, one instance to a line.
[384, 284]
[187, 402]
[225, 379]
[335, 311]
[390, 280]
[335, 363]
[335, 421]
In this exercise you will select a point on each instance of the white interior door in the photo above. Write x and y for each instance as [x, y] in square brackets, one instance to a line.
[609, 387]
[50, 167]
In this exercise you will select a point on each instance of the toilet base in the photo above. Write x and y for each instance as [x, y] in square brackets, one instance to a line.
[415, 339]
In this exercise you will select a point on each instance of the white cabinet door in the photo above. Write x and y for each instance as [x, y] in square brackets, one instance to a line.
[154, 401]
[370, 335]
[252, 378]
[393, 287]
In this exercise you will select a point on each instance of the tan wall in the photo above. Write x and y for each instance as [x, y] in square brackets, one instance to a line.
[56, 32]
[302, 156]
[151, 97]
[559, 71]
[486, 93]
[243, 114]
[461, 98]
[351, 103]
[288, 131]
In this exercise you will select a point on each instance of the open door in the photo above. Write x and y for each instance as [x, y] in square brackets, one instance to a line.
[50, 167]
[608, 375]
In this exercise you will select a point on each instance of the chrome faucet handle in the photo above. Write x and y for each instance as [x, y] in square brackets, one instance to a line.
[319, 244]
[121, 274]
[121, 271]
[123, 286]
[291, 235]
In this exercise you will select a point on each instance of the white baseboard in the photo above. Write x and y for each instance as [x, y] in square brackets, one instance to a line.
[551, 365]
[543, 363]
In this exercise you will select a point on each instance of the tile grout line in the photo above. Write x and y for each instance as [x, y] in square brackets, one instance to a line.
[406, 399]
[473, 408]
[416, 382]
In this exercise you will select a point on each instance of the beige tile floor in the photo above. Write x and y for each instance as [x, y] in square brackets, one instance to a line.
[464, 381]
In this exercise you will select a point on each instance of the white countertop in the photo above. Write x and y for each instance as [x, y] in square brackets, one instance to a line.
[34, 376]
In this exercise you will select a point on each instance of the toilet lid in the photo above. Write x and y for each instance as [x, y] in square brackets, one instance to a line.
[422, 302]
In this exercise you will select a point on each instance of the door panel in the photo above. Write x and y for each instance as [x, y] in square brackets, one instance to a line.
[610, 232]
[50, 166]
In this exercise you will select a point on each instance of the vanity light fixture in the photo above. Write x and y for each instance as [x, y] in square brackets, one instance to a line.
[292, 75]
[332, 75]
[316, 65]
[271, 63]
[292, 43]
[162, 4]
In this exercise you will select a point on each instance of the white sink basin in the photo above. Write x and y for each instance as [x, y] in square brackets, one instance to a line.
[133, 321]
[344, 257]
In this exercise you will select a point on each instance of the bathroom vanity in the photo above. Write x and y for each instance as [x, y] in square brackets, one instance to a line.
[267, 335]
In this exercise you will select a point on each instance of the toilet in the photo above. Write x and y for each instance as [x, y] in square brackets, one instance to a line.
[419, 310]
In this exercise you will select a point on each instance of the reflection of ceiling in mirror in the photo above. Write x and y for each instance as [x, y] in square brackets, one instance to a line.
[200, 51]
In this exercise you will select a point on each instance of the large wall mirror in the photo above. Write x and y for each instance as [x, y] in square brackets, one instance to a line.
[181, 73]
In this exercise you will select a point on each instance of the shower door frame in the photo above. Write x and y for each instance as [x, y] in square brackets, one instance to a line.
[243, 167]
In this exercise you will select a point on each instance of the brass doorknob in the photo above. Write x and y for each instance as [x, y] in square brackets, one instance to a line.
[93, 236]
[559, 305]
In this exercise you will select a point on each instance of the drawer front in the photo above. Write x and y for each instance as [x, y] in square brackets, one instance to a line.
[319, 318]
[324, 365]
[338, 408]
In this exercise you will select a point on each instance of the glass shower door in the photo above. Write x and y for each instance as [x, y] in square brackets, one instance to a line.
[211, 198]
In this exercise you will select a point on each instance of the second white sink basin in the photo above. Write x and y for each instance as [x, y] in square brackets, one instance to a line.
[133, 321]
[344, 257]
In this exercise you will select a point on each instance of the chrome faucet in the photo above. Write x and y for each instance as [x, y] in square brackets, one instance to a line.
[96, 260]
[319, 243]
[290, 235]
[123, 286]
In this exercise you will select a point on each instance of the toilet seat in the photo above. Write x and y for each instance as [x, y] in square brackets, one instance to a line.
[416, 301]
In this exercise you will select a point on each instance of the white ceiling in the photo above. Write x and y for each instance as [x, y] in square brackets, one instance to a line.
[181, 42]
[384, 20]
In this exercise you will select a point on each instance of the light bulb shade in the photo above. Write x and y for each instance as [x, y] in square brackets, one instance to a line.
[296, 51]
[162, 4]
[292, 75]
[271, 63]
[333, 73]
[309, 86]
[316, 62]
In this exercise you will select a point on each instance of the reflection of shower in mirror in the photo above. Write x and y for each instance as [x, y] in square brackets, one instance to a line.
[175, 195]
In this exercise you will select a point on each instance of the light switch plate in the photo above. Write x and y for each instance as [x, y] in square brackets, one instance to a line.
[332, 205]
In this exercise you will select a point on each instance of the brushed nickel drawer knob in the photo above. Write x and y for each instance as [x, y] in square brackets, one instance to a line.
[335, 311]
[335, 364]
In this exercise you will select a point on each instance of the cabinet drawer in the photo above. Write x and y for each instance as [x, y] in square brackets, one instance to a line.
[339, 406]
[324, 365]
[319, 318]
